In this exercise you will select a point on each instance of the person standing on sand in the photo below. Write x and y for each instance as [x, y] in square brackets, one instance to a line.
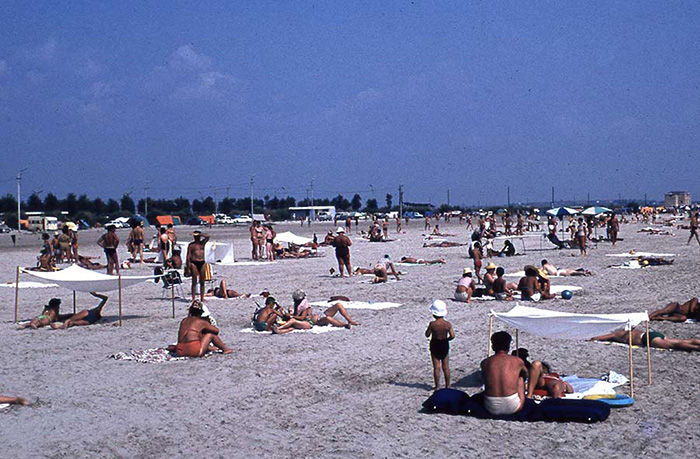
[581, 236]
[441, 333]
[342, 245]
[614, 226]
[348, 225]
[109, 241]
[504, 378]
[137, 237]
[254, 239]
[398, 224]
[694, 228]
[196, 263]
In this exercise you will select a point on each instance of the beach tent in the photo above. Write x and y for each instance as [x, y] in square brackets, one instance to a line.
[567, 325]
[140, 219]
[214, 252]
[163, 220]
[209, 219]
[82, 280]
[291, 238]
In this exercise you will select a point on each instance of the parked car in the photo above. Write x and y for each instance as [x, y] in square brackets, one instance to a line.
[242, 220]
[196, 221]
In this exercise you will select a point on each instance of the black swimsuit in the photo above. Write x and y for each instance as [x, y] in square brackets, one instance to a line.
[439, 348]
[198, 264]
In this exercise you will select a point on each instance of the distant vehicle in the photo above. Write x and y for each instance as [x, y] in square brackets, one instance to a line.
[42, 223]
[324, 217]
[120, 222]
[223, 219]
[196, 221]
[242, 219]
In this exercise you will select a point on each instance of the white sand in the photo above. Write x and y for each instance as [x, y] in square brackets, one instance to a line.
[350, 393]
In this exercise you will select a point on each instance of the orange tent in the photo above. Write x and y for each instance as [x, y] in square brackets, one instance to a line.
[207, 218]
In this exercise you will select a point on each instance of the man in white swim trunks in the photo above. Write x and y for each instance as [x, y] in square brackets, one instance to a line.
[504, 378]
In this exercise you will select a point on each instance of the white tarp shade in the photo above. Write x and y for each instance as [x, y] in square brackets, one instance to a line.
[84, 280]
[566, 325]
[291, 238]
[214, 252]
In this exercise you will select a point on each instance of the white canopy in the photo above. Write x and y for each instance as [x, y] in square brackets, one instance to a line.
[214, 252]
[84, 280]
[291, 238]
[567, 325]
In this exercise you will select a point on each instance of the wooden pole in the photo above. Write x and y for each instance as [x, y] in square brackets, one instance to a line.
[172, 294]
[120, 299]
[488, 353]
[17, 295]
[631, 364]
[648, 355]
[517, 343]
[74, 302]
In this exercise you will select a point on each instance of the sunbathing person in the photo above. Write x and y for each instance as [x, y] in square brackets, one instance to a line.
[264, 318]
[656, 339]
[554, 271]
[676, 312]
[443, 244]
[504, 378]
[223, 292]
[87, 263]
[303, 317]
[436, 232]
[197, 336]
[14, 400]
[46, 261]
[85, 317]
[420, 261]
[503, 290]
[489, 279]
[544, 284]
[48, 316]
[465, 287]
[654, 261]
[541, 377]
[529, 285]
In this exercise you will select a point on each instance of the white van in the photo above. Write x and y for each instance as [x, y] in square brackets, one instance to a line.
[42, 223]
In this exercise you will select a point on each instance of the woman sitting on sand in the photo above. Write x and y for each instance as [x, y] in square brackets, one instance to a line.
[656, 339]
[197, 336]
[48, 316]
[303, 317]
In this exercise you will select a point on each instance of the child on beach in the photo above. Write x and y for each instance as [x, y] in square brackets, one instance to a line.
[441, 333]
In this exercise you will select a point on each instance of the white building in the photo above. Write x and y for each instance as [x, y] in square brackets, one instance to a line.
[313, 212]
[677, 199]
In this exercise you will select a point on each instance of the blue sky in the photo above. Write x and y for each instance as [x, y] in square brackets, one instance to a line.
[189, 98]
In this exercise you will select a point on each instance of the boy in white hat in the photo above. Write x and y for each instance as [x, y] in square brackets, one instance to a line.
[440, 333]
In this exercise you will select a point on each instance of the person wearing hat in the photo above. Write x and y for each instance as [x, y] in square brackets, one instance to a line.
[342, 245]
[303, 318]
[196, 263]
[49, 315]
[440, 333]
[197, 335]
[109, 241]
[465, 287]
[490, 278]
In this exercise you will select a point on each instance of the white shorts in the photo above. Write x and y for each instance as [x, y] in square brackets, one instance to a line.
[461, 296]
[502, 405]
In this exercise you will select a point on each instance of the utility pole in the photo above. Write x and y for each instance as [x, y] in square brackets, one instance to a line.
[508, 193]
[19, 200]
[251, 197]
[145, 202]
[312, 192]
[401, 200]
[448, 197]
[552, 197]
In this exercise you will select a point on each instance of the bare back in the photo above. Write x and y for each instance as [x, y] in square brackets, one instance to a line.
[504, 375]
[192, 328]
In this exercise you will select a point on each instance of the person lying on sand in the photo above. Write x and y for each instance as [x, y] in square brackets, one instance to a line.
[85, 317]
[504, 378]
[541, 377]
[87, 263]
[223, 292]
[420, 261]
[676, 312]
[465, 287]
[303, 317]
[197, 336]
[656, 339]
[436, 232]
[48, 316]
[554, 271]
[14, 400]
[443, 244]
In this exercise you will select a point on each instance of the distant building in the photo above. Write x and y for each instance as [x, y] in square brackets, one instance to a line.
[312, 212]
[677, 199]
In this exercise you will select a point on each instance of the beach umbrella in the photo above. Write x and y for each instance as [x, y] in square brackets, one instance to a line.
[562, 211]
[596, 210]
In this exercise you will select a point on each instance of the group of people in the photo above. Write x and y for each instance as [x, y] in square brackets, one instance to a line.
[62, 248]
[262, 240]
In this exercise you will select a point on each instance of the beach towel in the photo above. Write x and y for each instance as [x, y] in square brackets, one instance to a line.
[316, 330]
[155, 355]
[640, 254]
[29, 285]
[4, 406]
[358, 304]
[246, 263]
[369, 281]
[589, 386]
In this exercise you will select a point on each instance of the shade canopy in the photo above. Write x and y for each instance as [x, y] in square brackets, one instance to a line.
[567, 325]
[84, 280]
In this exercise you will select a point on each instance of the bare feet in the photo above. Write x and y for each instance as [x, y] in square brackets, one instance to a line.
[228, 351]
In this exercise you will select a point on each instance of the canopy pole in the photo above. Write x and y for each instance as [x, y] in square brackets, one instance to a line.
[74, 302]
[488, 353]
[648, 355]
[120, 299]
[629, 334]
[172, 294]
[517, 343]
[17, 295]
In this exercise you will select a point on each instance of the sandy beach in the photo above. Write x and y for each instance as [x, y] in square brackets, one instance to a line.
[348, 393]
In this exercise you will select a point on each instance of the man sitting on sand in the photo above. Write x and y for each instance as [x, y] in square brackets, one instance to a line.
[676, 312]
[656, 339]
[554, 271]
[504, 378]
[197, 336]
[85, 317]
[420, 261]
[304, 319]
[223, 292]
[48, 316]
[264, 318]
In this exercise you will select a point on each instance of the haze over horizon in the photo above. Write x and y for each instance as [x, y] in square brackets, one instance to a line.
[194, 99]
